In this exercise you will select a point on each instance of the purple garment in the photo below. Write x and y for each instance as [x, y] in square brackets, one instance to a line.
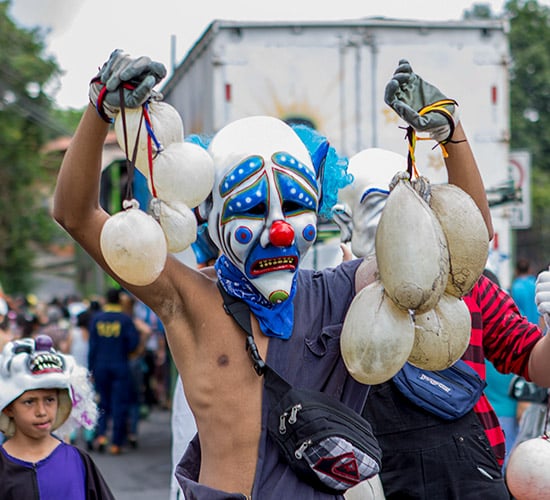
[309, 359]
[61, 475]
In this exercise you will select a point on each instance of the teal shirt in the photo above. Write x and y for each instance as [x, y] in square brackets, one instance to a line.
[523, 293]
[497, 391]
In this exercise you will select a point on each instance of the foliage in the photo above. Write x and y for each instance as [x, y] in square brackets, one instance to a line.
[530, 113]
[529, 37]
[68, 118]
[530, 79]
[25, 125]
[479, 11]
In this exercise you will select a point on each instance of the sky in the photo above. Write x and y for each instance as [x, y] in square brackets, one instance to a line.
[81, 34]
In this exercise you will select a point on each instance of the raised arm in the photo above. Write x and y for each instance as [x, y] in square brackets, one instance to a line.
[462, 171]
[426, 109]
[76, 198]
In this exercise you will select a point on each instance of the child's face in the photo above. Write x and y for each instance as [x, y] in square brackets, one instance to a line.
[34, 412]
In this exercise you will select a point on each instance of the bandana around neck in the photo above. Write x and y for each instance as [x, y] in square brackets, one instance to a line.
[276, 320]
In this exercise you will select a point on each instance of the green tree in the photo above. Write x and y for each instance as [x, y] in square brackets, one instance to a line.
[479, 11]
[530, 114]
[68, 119]
[26, 123]
[529, 37]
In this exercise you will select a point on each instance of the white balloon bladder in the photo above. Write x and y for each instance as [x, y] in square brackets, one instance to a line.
[178, 222]
[377, 336]
[411, 250]
[133, 245]
[442, 334]
[166, 124]
[183, 172]
[466, 234]
[527, 474]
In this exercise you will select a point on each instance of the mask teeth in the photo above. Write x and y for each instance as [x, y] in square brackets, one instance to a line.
[46, 362]
[266, 263]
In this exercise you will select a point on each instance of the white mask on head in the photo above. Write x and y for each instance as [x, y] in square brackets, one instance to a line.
[29, 364]
[362, 201]
[264, 202]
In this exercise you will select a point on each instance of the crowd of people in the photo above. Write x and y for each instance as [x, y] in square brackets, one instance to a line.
[271, 182]
[129, 381]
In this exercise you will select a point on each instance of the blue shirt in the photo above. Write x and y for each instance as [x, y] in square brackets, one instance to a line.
[523, 293]
[497, 391]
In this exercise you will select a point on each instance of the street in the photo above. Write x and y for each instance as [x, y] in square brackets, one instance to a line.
[143, 473]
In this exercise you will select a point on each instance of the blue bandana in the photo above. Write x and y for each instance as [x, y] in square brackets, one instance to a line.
[276, 320]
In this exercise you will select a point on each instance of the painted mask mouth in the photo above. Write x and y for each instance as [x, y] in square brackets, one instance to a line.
[262, 266]
[45, 362]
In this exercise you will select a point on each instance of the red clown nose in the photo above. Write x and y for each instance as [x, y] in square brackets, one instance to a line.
[281, 234]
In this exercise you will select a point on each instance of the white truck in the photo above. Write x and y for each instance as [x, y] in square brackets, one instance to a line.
[332, 75]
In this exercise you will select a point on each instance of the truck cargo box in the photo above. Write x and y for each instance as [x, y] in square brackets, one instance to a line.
[332, 75]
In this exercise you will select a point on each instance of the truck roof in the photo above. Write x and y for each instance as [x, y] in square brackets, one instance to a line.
[361, 26]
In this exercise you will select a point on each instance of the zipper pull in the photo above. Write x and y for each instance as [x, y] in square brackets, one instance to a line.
[293, 413]
[299, 453]
[282, 426]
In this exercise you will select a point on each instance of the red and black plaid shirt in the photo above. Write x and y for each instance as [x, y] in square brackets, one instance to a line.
[502, 335]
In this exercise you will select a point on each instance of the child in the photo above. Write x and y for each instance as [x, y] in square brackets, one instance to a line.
[41, 389]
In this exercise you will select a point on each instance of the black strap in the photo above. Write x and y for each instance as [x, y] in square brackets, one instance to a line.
[130, 162]
[241, 314]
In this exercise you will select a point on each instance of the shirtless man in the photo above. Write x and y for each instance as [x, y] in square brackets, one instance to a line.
[269, 213]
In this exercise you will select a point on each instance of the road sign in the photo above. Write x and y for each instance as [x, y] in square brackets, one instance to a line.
[519, 170]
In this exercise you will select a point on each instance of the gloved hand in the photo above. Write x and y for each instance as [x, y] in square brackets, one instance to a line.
[542, 295]
[407, 94]
[137, 76]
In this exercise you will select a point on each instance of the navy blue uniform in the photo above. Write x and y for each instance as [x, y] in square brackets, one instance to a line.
[113, 336]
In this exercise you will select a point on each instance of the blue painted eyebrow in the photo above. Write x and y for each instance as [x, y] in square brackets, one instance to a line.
[373, 190]
[289, 162]
[292, 190]
[238, 205]
[238, 174]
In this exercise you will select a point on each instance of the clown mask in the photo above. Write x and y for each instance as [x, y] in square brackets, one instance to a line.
[264, 202]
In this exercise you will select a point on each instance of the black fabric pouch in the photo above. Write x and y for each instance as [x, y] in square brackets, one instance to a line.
[327, 444]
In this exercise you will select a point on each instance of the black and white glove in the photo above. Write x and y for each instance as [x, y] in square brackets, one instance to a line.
[420, 104]
[137, 76]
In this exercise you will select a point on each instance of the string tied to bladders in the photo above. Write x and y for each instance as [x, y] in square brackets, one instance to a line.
[132, 242]
[180, 176]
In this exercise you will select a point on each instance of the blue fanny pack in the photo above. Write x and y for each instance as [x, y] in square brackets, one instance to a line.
[449, 393]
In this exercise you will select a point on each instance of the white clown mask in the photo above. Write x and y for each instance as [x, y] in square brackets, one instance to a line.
[29, 364]
[361, 203]
[264, 202]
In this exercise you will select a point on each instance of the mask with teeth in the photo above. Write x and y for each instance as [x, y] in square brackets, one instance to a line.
[30, 364]
[264, 203]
